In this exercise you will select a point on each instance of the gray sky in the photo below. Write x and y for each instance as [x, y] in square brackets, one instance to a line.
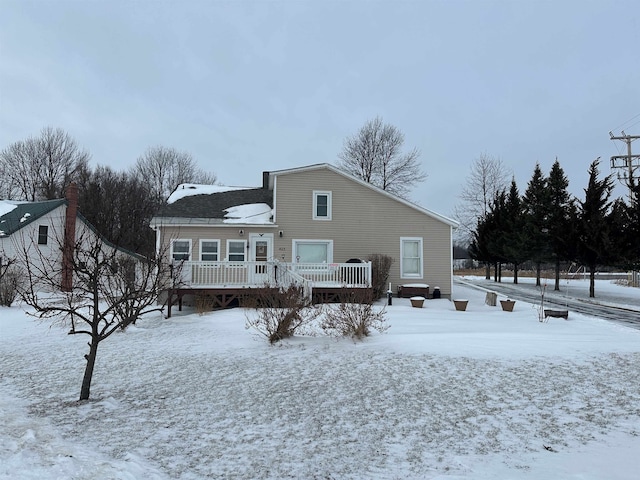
[266, 85]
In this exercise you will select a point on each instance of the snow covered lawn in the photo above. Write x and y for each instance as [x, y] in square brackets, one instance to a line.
[479, 394]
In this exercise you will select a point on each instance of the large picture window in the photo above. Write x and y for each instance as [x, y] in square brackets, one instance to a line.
[209, 250]
[411, 257]
[236, 250]
[313, 251]
[181, 250]
[321, 205]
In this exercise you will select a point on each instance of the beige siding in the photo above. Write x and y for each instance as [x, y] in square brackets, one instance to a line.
[204, 232]
[363, 222]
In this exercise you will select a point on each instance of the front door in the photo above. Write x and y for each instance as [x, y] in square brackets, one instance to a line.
[261, 250]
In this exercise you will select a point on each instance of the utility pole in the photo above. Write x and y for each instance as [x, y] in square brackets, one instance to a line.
[629, 163]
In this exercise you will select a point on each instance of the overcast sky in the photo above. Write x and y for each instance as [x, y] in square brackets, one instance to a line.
[248, 86]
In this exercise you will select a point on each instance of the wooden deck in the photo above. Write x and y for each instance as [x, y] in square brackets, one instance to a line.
[230, 284]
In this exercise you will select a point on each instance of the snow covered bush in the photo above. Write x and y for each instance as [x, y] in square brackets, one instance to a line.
[277, 314]
[354, 317]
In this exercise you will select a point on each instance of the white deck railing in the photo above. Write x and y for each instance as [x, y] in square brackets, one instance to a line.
[273, 273]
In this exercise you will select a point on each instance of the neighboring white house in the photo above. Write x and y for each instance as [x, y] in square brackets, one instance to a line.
[46, 233]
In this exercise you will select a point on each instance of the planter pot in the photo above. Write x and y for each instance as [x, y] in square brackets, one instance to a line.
[461, 305]
[417, 302]
[507, 305]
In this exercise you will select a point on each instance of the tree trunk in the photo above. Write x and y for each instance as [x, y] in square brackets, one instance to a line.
[488, 271]
[495, 272]
[515, 272]
[557, 285]
[88, 371]
[538, 268]
[592, 281]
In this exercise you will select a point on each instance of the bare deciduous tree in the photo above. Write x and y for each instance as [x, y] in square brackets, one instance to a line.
[111, 290]
[164, 168]
[487, 176]
[39, 168]
[374, 154]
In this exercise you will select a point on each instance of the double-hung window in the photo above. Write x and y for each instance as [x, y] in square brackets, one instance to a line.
[209, 250]
[321, 205]
[236, 250]
[411, 257]
[181, 250]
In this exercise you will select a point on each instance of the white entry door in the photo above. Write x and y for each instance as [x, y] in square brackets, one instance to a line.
[260, 250]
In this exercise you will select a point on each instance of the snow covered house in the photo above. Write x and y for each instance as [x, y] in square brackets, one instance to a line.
[47, 232]
[310, 224]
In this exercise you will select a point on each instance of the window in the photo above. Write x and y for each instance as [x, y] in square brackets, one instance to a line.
[321, 205]
[209, 250]
[181, 250]
[236, 250]
[313, 251]
[411, 257]
[43, 234]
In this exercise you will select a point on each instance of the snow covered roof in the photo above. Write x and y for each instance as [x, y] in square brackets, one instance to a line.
[253, 213]
[191, 189]
[220, 205]
[15, 215]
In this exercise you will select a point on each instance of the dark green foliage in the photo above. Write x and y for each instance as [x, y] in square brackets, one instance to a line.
[595, 225]
[560, 225]
[536, 210]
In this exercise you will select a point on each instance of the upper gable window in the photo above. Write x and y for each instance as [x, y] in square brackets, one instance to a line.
[43, 234]
[321, 205]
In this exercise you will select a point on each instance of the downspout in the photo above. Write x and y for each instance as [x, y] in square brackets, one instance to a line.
[69, 237]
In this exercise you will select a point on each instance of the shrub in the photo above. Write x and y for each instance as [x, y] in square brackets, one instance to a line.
[278, 313]
[354, 317]
[10, 281]
[380, 267]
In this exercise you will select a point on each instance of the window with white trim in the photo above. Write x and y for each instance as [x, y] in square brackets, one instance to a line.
[181, 250]
[209, 250]
[313, 251]
[411, 257]
[321, 205]
[236, 250]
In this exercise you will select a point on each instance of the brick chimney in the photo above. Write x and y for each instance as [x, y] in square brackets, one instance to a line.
[69, 237]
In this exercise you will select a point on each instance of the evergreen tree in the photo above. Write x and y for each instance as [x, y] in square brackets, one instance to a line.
[594, 246]
[560, 233]
[536, 209]
[514, 240]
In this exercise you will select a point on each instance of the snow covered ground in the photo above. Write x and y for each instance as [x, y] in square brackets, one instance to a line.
[480, 394]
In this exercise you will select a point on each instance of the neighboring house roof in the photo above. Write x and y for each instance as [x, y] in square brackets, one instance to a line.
[215, 206]
[24, 213]
[334, 169]
[17, 215]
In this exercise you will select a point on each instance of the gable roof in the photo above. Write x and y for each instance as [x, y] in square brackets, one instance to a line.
[25, 213]
[212, 206]
[334, 169]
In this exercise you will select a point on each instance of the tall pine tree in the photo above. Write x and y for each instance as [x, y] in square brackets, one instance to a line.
[594, 246]
[536, 208]
[559, 219]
